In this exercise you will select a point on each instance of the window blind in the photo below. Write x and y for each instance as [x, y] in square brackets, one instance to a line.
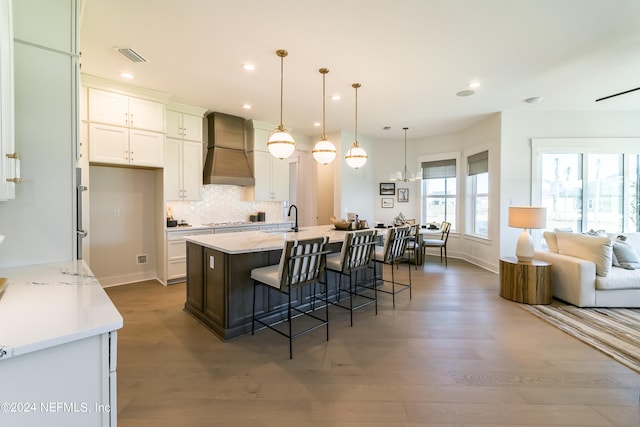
[478, 163]
[439, 169]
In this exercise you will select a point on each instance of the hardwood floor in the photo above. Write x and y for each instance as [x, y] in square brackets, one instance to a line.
[456, 354]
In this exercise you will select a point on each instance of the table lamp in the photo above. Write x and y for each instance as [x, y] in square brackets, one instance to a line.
[526, 217]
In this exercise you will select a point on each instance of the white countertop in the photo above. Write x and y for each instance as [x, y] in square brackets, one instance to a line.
[259, 241]
[51, 304]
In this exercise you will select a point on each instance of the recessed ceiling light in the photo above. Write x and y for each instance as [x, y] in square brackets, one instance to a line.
[126, 75]
[335, 97]
[316, 124]
[248, 67]
[533, 100]
[467, 92]
[246, 106]
[473, 85]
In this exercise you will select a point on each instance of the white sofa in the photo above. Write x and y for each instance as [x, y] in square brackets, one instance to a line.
[586, 271]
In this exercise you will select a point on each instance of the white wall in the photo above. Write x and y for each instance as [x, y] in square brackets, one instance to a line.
[517, 130]
[354, 187]
[123, 221]
[40, 223]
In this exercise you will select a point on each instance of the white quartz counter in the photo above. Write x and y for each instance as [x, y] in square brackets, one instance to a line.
[46, 305]
[259, 241]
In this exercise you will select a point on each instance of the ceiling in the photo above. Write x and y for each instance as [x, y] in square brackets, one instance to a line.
[411, 57]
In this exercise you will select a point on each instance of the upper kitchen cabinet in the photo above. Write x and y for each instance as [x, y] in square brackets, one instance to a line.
[121, 110]
[183, 153]
[122, 146]
[186, 126]
[126, 125]
[271, 174]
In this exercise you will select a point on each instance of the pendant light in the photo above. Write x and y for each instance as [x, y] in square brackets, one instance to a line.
[405, 175]
[280, 143]
[324, 151]
[356, 156]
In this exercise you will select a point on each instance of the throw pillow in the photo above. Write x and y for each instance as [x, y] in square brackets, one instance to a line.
[552, 242]
[599, 250]
[625, 255]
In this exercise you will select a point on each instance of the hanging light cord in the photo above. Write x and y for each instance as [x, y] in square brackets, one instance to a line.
[324, 72]
[356, 86]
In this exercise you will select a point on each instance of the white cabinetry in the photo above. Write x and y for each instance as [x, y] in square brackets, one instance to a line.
[271, 174]
[183, 154]
[176, 262]
[125, 130]
[121, 110]
[8, 160]
[184, 126]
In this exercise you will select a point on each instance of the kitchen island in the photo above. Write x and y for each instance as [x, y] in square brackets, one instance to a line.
[58, 347]
[219, 285]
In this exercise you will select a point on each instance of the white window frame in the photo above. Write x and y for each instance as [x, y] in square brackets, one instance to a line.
[438, 157]
[585, 146]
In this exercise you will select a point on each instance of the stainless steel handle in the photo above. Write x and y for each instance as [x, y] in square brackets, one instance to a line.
[16, 168]
[82, 233]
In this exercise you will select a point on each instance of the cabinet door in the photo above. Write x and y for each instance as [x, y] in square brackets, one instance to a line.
[192, 170]
[192, 127]
[146, 148]
[108, 144]
[262, 174]
[279, 179]
[173, 122]
[145, 114]
[108, 107]
[173, 169]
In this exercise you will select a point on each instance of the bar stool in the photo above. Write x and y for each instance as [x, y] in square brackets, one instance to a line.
[302, 263]
[356, 256]
[392, 252]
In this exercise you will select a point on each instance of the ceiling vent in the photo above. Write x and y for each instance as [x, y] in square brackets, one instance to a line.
[131, 54]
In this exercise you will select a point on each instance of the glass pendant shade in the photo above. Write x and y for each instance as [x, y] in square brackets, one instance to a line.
[356, 156]
[324, 151]
[280, 143]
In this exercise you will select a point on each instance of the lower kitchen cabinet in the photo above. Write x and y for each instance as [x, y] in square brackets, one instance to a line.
[176, 259]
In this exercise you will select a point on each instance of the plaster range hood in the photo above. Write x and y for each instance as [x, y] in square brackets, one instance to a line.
[226, 161]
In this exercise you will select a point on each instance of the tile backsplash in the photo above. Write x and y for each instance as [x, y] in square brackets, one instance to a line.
[225, 203]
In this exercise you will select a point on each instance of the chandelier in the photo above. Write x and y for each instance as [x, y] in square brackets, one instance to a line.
[404, 175]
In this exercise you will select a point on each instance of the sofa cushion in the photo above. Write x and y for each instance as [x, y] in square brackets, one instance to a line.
[596, 249]
[619, 278]
[625, 255]
[552, 241]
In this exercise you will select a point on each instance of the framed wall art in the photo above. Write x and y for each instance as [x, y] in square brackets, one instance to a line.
[387, 189]
[387, 202]
[403, 195]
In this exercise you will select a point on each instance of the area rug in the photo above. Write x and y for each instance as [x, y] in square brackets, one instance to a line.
[614, 331]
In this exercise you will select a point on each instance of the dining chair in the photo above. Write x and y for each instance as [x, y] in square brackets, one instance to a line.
[412, 244]
[354, 259]
[438, 243]
[391, 253]
[302, 264]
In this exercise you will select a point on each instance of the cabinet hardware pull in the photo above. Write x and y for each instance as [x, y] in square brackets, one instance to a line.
[16, 168]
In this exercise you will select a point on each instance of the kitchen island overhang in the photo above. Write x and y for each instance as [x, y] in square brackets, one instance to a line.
[219, 284]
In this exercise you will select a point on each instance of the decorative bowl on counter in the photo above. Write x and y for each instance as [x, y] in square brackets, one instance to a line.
[340, 224]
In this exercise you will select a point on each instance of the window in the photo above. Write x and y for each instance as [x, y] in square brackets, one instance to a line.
[439, 192]
[590, 187]
[478, 173]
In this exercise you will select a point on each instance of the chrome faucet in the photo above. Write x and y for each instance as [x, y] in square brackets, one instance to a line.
[295, 227]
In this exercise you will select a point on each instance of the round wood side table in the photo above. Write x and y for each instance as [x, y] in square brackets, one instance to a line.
[529, 283]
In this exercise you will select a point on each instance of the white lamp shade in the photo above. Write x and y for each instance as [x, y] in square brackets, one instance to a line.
[356, 157]
[324, 152]
[527, 217]
[281, 144]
